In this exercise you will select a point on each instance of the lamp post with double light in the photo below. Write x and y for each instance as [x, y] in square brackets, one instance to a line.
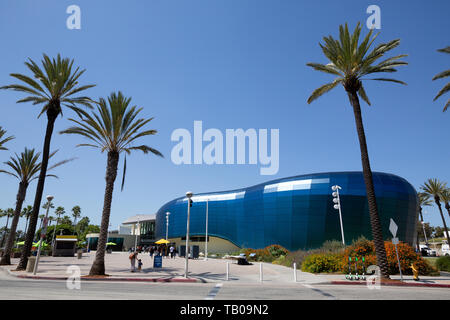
[337, 206]
[189, 196]
[167, 225]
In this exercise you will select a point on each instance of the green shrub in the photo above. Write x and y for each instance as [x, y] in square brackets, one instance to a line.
[443, 263]
[318, 263]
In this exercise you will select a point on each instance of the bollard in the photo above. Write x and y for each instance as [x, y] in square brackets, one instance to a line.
[228, 271]
[295, 272]
[260, 272]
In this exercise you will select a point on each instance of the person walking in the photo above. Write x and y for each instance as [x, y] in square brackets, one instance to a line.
[152, 250]
[172, 252]
[133, 257]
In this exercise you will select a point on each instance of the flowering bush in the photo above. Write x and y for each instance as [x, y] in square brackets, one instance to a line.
[317, 263]
[268, 254]
[366, 249]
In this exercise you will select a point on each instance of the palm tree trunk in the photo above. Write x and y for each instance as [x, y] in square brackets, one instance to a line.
[98, 267]
[51, 118]
[443, 220]
[6, 259]
[447, 206]
[6, 230]
[377, 233]
[26, 225]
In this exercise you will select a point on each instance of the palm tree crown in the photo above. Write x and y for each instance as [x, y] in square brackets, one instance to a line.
[351, 61]
[113, 127]
[443, 74]
[3, 140]
[55, 85]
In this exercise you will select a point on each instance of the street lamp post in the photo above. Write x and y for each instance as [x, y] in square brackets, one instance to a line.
[167, 225]
[43, 230]
[189, 196]
[135, 231]
[206, 237]
[424, 233]
[337, 206]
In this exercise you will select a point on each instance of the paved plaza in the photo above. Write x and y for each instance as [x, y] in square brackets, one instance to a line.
[213, 270]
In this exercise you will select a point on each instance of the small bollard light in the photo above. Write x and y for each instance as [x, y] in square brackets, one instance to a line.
[295, 272]
[260, 272]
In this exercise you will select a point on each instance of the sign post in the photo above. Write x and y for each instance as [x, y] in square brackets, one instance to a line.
[393, 229]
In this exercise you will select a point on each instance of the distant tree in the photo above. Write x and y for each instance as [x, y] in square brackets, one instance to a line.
[435, 188]
[76, 213]
[65, 220]
[9, 213]
[82, 225]
[27, 211]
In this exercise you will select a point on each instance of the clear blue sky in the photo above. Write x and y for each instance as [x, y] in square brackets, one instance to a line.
[232, 64]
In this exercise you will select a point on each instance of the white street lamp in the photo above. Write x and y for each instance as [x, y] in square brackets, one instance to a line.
[206, 237]
[337, 206]
[424, 233]
[43, 231]
[167, 224]
[189, 196]
[135, 231]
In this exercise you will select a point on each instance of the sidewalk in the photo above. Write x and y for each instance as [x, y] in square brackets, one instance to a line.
[213, 270]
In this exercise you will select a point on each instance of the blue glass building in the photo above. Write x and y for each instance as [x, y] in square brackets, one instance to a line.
[295, 212]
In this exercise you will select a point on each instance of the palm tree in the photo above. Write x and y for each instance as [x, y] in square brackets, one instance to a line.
[113, 128]
[351, 62]
[434, 188]
[76, 213]
[445, 196]
[424, 200]
[54, 87]
[59, 211]
[27, 213]
[9, 213]
[4, 140]
[26, 168]
[443, 74]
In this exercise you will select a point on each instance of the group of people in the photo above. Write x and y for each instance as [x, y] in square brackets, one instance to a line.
[160, 250]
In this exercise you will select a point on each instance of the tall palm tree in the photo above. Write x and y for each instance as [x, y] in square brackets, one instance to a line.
[112, 128]
[59, 211]
[443, 74]
[351, 62]
[424, 200]
[9, 213]
[76, 213]
[445, 196]
[54, 87]
[27, 211]
[435, 188]
[4, 140]
[25, 168]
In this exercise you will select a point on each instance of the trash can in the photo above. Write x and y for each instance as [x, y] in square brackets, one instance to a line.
[79, 253]
[30, 264]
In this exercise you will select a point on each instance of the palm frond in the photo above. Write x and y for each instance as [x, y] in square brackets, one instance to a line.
[324, 89]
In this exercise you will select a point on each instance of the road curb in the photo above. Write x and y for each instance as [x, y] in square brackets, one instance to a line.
[394, 284]
[125, 279]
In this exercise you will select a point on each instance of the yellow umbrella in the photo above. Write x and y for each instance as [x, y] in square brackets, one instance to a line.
[162, 241]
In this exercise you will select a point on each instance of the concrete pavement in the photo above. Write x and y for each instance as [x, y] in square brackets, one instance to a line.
[213, 270]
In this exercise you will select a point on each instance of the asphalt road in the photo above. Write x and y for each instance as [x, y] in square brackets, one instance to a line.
[12, 288]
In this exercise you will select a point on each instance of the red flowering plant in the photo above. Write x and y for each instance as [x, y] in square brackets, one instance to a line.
[364, 248]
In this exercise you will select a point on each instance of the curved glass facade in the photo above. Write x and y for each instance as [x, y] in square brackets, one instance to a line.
[295, 212]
